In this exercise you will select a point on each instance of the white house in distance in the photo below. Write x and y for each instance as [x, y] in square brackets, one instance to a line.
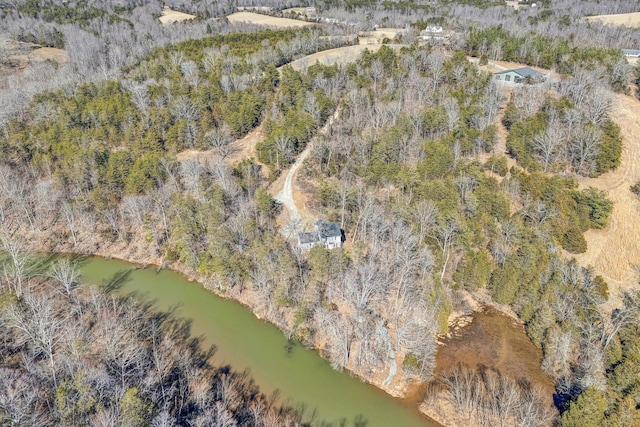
[519, 75]
[325, 233]
[433, 32]
[631, 53]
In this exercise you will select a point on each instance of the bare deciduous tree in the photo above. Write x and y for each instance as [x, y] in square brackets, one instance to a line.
[66, 273]
[16, 267]
[547, 146]
[219, 139]
[444, 235]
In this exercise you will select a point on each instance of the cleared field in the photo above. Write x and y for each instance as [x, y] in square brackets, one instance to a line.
[513, 4]
[340, 55]
[378, 35]
[16, 56]
[58, 55]
[615, 251]
[269, 21]
[170, 16]
[627, 19]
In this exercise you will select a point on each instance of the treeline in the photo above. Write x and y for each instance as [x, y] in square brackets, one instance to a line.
[77, 355]
[539, 50]
[83, 12]
[79, 13]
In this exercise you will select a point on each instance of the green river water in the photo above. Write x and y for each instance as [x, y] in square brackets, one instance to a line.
[300, 375]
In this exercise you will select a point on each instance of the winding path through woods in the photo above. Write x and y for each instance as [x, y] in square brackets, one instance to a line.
[296, 222]
[283, 189]
[285, 196]
[245, 147]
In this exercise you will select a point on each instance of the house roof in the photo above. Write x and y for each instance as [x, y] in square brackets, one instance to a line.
[327, 229]
[307, 238]
[433, 29]
[634, 52]
[524, 72]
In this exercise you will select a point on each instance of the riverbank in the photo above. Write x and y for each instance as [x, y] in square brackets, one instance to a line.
[145, 254]
[297, 375]
[482, 336]
[500, 344]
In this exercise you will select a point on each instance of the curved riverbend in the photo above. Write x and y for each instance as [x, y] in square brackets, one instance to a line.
[300, 375]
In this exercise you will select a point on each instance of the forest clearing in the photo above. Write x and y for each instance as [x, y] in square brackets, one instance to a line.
[170, 16]
[16, 56]
[338, 56]
[631, 20]
[266, 20]
[49, 53]
[380, 35]
[304, 11]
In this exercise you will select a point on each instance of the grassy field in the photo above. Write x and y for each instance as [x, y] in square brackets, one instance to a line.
[269, 21]
[627, 19]
[49, 53]
[170, 16]
[615, 251]
[340, 56]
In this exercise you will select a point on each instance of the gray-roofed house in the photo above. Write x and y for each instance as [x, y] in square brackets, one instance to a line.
[325, 233]
[631, 53]
[307, 240]
[519, 75]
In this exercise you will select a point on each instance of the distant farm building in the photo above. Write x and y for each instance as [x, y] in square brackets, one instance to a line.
[324, 233]
[519, 75]
[631, 53]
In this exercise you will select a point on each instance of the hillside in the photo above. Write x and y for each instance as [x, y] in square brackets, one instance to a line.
[615, 250]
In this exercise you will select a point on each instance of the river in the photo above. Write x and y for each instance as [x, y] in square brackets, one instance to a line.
[300, 375]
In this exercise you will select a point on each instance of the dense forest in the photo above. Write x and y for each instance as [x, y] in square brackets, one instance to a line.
[93, 161]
